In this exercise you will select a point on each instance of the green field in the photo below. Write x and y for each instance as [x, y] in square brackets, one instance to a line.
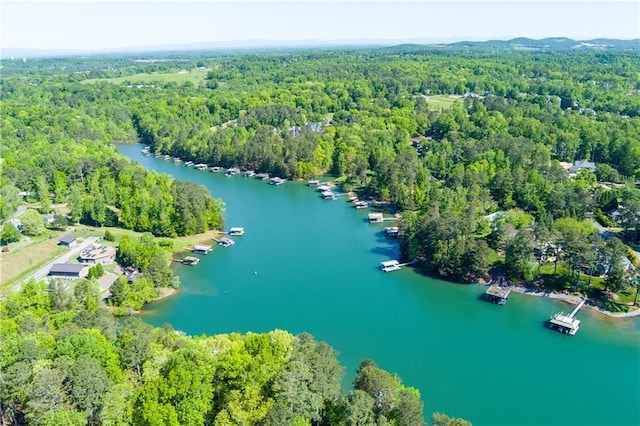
[442, 101]
[195, 76]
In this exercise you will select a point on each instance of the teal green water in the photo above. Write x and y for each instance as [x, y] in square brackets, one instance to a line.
[306, 264]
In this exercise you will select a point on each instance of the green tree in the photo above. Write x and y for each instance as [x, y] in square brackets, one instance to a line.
[88, 383]
[32, 222]
[10, 233]
[440, 419]
[134, 343]
[519, 257]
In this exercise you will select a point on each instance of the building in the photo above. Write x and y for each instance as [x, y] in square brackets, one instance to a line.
[17, 223]
[96, 253]
[582, 164]
[68, 241]
[68, 271]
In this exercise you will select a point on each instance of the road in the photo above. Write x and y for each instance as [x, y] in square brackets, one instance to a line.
[44, 271]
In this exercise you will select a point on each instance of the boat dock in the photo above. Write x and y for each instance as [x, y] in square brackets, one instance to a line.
[390, 266]
[190, 260]
[567, 324]
[277, 181]
[497, 294]
[394, 265]
[201, 166]
[224, 242]
[376, 218]
[391, 231]
[236, 231]
[201, 249]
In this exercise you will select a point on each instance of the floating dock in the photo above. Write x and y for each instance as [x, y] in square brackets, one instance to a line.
[567, 324]
[390, 266]
[224, 242]
[360, 204]
[277, 181]
[190, 260]
[201, 166]
[391, 231]
[376, 218]
[313, 183]
[201, 249]
[236, 231]
[497, 294]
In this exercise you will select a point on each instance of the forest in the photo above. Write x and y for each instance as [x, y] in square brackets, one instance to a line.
[524, 164]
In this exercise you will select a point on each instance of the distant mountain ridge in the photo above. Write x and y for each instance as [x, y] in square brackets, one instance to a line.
[549, 44]
[516, 44]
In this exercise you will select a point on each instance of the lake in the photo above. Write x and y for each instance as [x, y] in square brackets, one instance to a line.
[308, 264]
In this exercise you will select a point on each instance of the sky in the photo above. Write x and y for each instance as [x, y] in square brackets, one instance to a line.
[91, 25]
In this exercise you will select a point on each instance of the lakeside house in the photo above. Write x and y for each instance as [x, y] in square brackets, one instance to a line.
[97, 253]
[582, 165]
[132, 274]
[68, 241]
[68, 271]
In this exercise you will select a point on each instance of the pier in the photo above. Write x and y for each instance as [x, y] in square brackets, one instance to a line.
[567, 324]
[394, 265]
[497, 294]
[224, 242]
[201, 249]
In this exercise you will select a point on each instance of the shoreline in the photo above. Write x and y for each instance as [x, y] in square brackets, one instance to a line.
[572, 299]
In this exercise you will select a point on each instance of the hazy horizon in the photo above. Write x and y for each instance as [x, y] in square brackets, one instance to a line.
[123, 25]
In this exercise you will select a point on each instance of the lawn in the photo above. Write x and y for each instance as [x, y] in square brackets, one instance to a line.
[27, 256]
[195, 76]
[442, 102]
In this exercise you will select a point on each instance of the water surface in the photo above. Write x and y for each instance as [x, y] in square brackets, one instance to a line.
[306, 264]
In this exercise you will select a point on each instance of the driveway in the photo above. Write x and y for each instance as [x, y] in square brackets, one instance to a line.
[44, 271]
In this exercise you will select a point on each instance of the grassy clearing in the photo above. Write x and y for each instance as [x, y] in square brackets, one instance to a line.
[26, 257]
[195, 76]
[441, 102]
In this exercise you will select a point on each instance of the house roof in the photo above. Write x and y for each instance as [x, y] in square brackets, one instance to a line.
[582, 164]
[66, 268]
[67, 239]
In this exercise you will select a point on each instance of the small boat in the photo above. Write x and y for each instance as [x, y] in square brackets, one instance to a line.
[189, 163]
[167, 157]
[177, 160]
[263, 176]
[313, 183]
[201, 166]
[249, 173]
[216, 169]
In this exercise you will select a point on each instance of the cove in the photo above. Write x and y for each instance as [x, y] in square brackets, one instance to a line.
[307, 264]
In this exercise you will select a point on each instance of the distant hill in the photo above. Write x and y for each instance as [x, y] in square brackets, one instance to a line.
[406, 46]
[547, 44]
